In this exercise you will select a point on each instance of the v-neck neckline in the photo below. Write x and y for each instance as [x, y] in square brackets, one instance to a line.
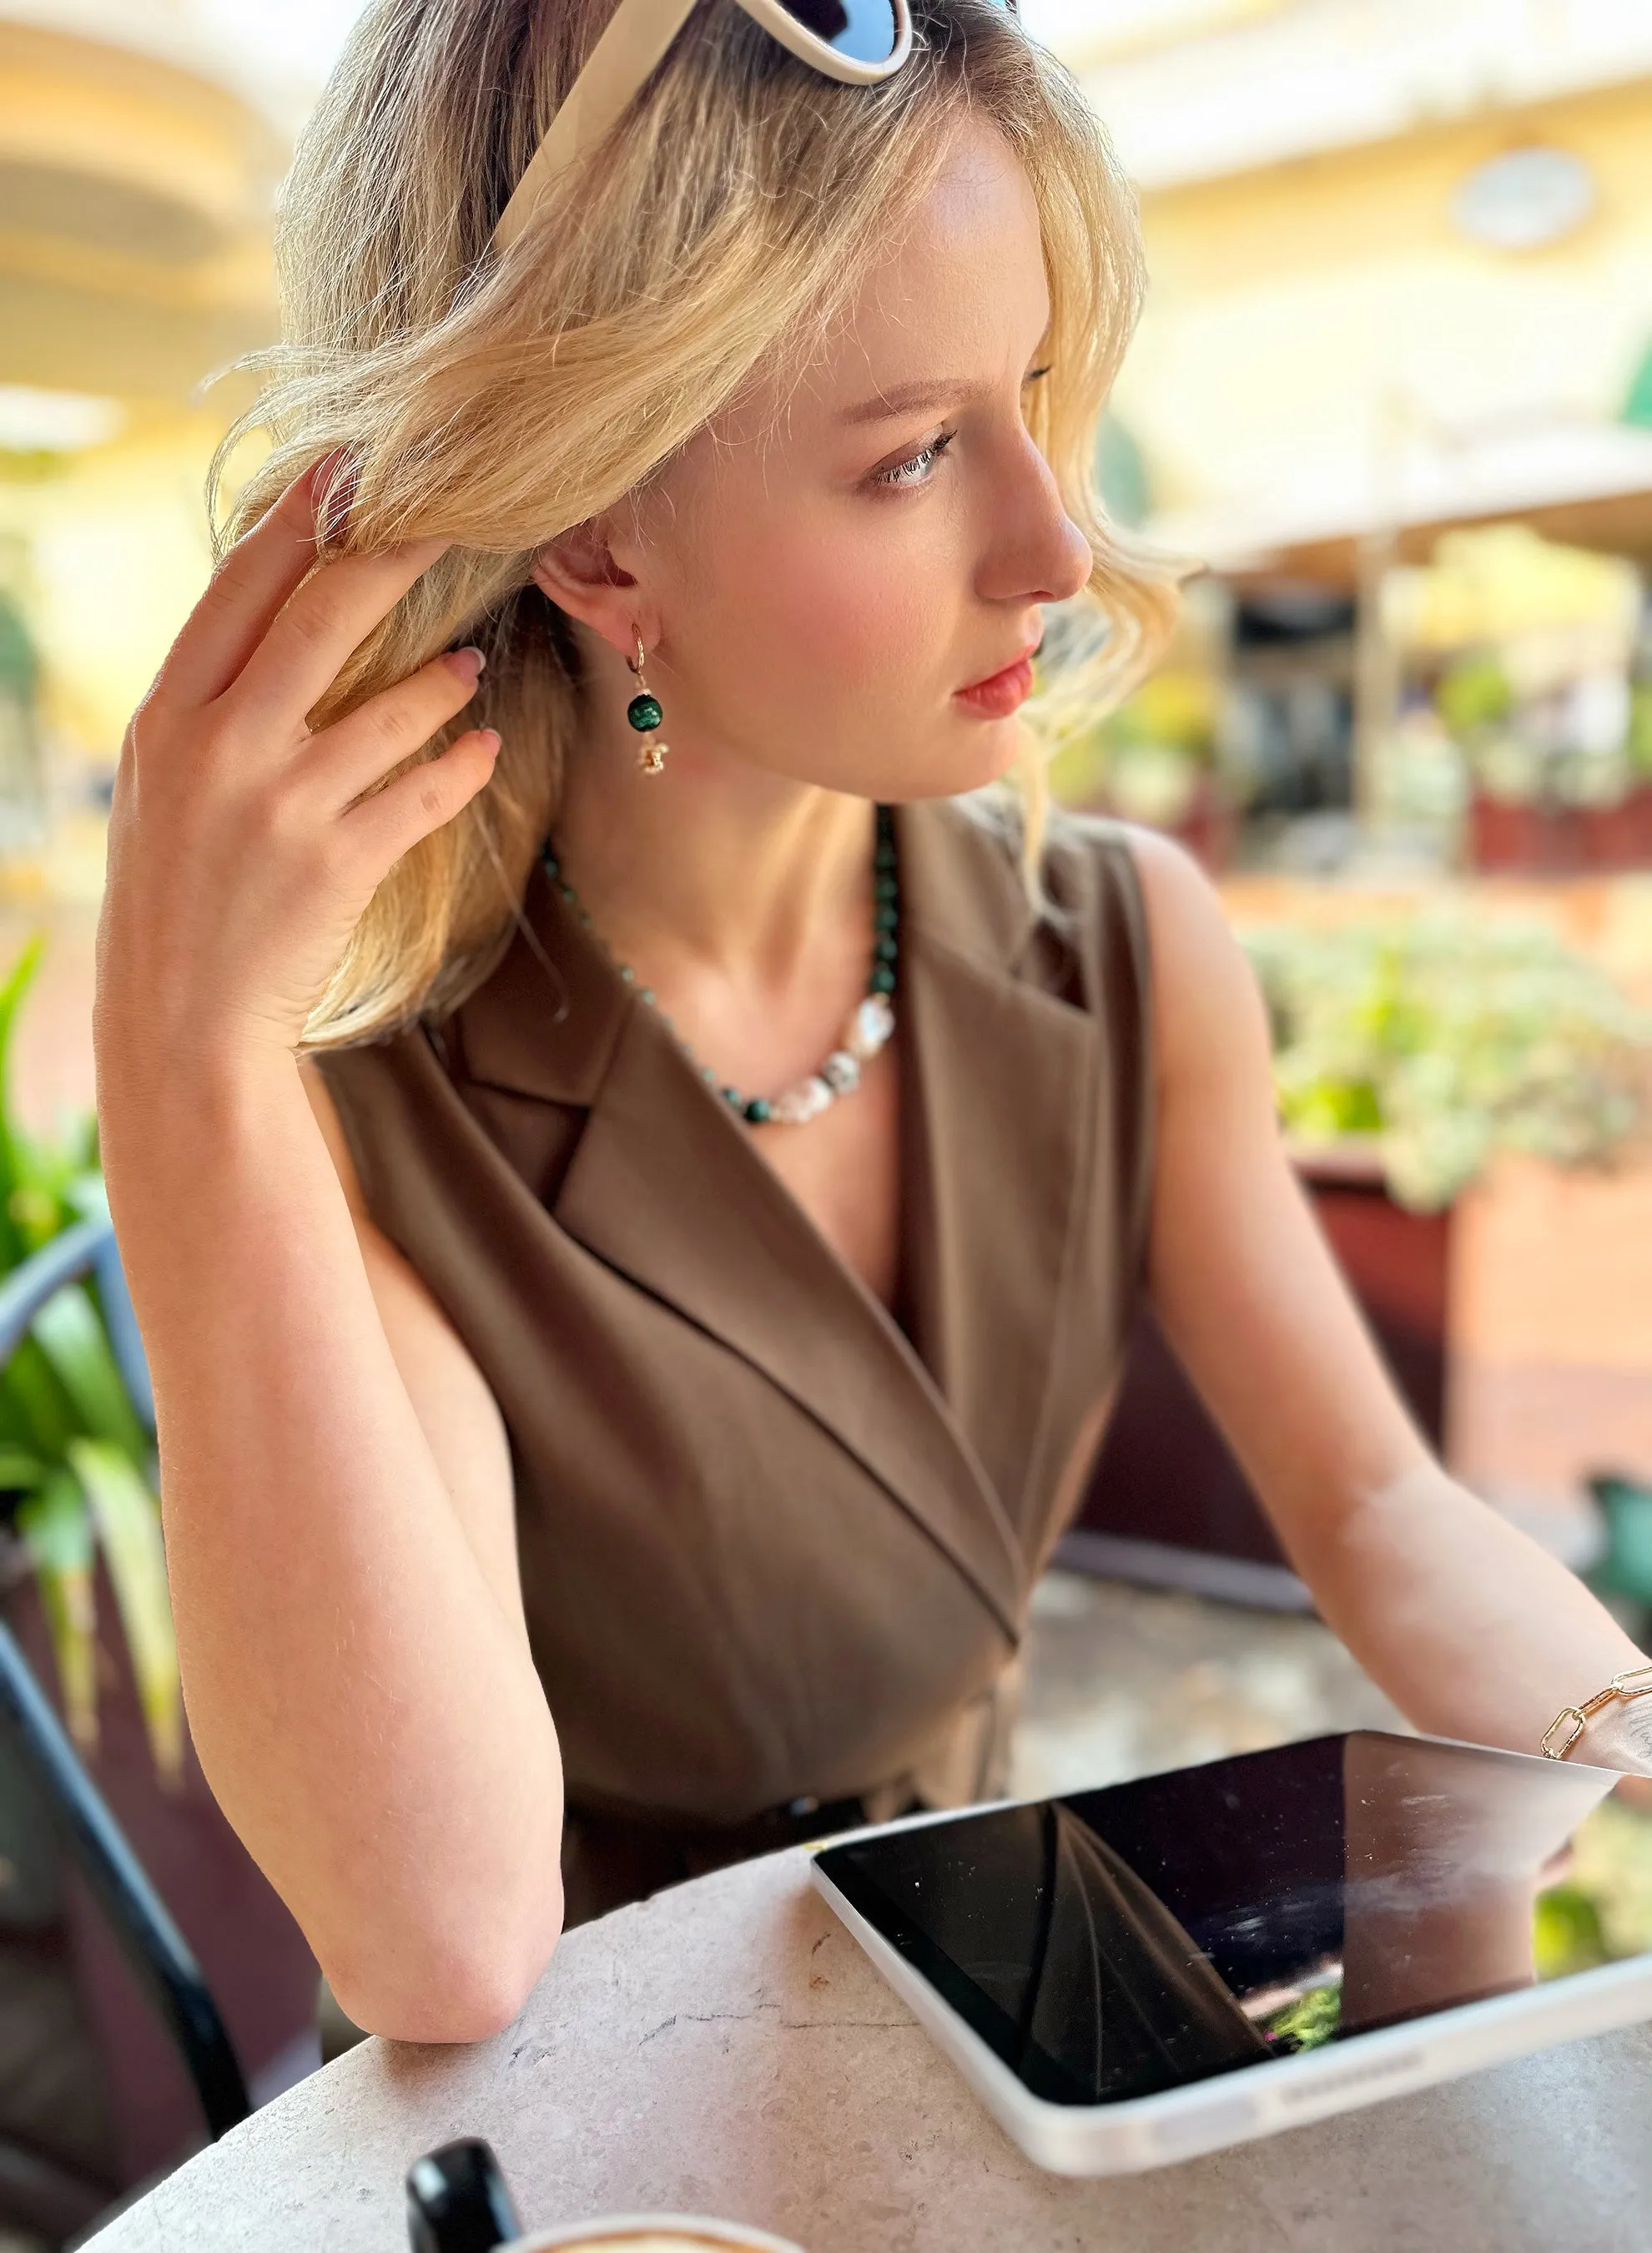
[1002, 1103]
[698, 1091]
[628, 994]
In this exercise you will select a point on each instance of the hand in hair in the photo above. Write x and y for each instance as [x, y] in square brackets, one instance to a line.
[244, 846]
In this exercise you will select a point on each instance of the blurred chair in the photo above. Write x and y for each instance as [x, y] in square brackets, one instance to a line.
[36, 1750]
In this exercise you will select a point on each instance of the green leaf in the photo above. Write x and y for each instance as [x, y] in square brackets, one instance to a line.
[129, 1524]
[35, 1409]
[56, 1527]
[20, 1471]
[71, 1334]
[12, 990]
[71, 1441]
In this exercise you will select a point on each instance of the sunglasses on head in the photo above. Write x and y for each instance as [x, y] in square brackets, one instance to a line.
[858, 41]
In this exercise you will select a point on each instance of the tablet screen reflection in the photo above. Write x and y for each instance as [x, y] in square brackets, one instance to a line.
[1118, 1942]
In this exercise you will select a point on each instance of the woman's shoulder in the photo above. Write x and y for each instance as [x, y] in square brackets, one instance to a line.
[1085, 854]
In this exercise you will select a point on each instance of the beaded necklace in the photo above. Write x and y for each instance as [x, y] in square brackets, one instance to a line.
[869, 1029]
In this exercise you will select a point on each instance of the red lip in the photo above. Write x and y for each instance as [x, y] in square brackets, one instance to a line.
[1001, 691]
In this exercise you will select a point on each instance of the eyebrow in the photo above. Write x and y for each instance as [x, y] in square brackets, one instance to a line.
[909, 398]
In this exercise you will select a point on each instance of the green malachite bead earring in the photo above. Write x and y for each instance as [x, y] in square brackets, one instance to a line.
[645, 712]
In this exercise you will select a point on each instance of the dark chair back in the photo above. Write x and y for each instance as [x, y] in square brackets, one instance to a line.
[165, 1968]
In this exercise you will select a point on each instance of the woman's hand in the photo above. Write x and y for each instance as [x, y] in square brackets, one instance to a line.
[240, 861]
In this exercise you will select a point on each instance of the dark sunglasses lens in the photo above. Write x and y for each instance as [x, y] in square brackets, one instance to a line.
[864, 29]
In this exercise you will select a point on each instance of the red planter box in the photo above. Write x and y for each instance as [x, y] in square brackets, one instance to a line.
[1558, 840]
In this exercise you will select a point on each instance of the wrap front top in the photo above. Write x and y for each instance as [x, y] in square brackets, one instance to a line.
[775, 1542]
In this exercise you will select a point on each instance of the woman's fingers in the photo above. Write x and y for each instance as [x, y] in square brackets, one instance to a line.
[320, 629]
[246, 593]
[392, 821]
[359, 751]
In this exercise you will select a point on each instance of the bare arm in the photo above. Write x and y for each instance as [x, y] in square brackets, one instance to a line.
[1470, 1627]
[334, 1480]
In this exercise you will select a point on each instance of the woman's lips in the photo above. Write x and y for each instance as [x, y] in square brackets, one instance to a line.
[1000, 692]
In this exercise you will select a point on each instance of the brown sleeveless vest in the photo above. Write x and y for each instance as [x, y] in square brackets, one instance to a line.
[774, 1544]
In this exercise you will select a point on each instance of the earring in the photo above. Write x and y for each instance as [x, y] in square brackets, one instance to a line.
[645, 713]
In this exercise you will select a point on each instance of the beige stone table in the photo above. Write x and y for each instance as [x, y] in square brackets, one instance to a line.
[726, 2049]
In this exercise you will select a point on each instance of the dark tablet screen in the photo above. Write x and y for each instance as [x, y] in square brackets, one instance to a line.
[1114, 1943]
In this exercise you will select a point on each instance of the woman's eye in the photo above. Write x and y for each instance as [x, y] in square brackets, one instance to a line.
[918, 469]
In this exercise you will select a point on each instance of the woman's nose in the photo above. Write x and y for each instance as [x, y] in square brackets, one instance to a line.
[1037, 553]
[1073, 562]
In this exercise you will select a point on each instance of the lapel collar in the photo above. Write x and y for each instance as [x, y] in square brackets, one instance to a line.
[1002, 1098]
[664, 1188]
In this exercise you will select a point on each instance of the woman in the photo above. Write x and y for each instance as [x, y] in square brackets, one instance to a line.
[586, 1344]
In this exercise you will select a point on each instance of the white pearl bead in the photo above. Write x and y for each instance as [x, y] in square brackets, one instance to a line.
[800, 1104]
[841, 1072]
[870, 1027]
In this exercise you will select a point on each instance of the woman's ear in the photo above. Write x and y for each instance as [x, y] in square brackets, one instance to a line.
[578, 571]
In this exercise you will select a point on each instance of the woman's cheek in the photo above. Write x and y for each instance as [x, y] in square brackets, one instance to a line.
[857, 619]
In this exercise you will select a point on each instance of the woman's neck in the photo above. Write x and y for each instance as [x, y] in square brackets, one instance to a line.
[747, 876]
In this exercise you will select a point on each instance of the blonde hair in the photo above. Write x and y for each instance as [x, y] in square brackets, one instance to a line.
[496, 401]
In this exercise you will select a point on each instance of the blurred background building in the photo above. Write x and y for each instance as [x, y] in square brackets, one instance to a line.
[1394, 388]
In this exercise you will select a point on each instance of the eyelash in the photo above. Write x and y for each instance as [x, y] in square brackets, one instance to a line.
[895, 479]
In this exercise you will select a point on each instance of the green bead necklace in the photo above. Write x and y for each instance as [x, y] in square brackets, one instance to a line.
[868, 1029]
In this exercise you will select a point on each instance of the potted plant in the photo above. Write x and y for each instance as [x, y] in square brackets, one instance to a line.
[1408, 1053]
[77, 1466]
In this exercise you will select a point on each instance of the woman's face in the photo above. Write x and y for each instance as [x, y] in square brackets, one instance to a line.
[825, 572]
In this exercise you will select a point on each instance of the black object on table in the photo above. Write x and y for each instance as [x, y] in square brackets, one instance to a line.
[457, 2202]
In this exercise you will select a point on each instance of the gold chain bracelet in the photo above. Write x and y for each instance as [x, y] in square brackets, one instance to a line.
[1580, 1716]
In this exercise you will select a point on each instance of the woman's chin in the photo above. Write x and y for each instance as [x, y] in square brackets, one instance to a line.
[967, 755]
[982, 751]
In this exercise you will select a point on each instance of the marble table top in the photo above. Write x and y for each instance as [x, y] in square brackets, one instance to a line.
[726, 2049]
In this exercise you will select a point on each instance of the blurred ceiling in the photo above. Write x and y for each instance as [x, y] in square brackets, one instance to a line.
[136, 189]
[1197, 89]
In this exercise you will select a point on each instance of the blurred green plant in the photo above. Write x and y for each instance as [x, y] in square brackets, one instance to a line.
[1448, 1038]
[1566, 1933]
[1640, 741]
[1146, 759]
[78, 1472]
[1612, 1870]
[1308, 2022]
[1601, 1911]
[1475, 694]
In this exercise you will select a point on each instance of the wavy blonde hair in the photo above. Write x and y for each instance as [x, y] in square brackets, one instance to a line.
[495, 401]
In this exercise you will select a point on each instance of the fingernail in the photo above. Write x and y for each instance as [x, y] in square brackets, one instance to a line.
[467, 662]
[493, 735]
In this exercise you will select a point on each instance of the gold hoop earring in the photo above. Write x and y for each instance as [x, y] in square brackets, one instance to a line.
[646, 713]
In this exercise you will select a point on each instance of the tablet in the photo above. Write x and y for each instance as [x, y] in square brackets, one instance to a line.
[1130, 1976]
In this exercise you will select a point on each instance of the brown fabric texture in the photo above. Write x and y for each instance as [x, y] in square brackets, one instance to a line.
[775, 1543]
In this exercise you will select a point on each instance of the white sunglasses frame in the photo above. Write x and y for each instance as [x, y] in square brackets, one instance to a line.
[633, 43]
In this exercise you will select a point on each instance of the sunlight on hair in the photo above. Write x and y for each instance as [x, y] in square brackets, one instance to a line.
[493, 402]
